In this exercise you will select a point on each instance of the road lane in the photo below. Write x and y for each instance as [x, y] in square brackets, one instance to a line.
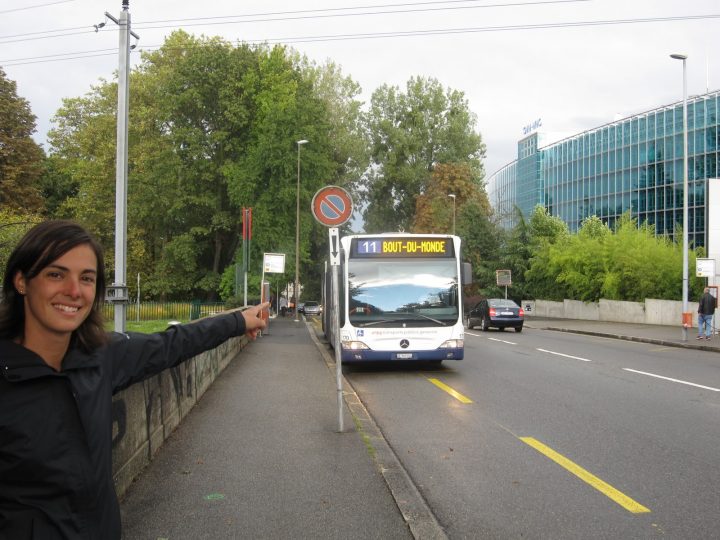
[648, 439]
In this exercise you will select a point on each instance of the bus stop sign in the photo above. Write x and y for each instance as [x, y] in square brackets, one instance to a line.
[332, 206]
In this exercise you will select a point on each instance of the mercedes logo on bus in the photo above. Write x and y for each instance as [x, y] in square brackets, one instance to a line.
[404, 343]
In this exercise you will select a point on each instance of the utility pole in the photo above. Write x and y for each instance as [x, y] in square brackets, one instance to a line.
[687, 316]
[297, 234]
[118, 291]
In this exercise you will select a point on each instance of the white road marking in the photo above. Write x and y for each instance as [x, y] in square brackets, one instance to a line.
[502, 341]
[565, 355]
[673, 380]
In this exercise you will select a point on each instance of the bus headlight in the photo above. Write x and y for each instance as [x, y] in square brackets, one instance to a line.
[452, 344]
[354, 346]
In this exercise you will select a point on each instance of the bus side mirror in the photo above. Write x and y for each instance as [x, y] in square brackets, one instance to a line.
[467, 277]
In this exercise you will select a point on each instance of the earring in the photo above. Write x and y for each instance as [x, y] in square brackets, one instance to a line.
[21, 291]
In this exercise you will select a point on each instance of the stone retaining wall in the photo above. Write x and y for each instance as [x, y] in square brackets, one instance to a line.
[145, 414]
[661, 312]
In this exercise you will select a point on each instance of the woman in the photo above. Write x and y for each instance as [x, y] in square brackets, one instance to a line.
[58, 372]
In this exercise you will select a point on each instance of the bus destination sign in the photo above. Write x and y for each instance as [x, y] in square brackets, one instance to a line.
[398, 246]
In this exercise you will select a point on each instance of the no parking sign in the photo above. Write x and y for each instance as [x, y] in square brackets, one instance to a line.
[332, 206]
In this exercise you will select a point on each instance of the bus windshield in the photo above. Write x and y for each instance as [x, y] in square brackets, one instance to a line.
[400, 293]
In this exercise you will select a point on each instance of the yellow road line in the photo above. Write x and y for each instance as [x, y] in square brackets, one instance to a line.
[454, 393]
[603, 487]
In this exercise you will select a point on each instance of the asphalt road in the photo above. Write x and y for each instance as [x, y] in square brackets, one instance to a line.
[544, 434]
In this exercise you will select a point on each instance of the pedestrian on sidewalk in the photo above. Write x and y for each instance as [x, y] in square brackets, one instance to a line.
[706, 310]
[59, 369]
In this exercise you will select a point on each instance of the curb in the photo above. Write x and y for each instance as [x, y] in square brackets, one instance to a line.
[412, 505]
[653, 341]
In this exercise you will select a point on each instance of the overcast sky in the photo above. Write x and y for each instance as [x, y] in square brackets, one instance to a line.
[568, 71]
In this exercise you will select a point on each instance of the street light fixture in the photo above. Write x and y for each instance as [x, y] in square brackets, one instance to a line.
[685, 315]
[452, 196]
[297, 234]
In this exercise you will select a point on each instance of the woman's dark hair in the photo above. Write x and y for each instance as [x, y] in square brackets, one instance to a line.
[42, 245]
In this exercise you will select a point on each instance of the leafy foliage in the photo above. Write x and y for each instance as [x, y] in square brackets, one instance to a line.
[213, 129]
[545, 232]
[410, 134]
[629, 263]
[515, 255]
[21, 158]
[13, 225]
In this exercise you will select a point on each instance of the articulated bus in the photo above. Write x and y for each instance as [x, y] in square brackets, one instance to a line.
[400, 298]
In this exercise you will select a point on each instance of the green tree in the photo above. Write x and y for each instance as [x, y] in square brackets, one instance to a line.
[13, 225]
[473, 219]
[57, 186]
[515, 255]
[213, 129]
[410, 134]
[581, 261]
[434, 208]
[190, 94]
[82, 158]
[482, 239]
[628, 263]
[545, 232]
[21, 158]
[641, 265]
[287, 108]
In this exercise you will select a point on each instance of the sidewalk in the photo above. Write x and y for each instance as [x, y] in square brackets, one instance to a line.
[669, 336]
[260, 456]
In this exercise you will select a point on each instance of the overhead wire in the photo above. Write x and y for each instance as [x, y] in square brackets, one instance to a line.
[381, 35]
[25, 8]
[506, 28]
[302, 14]
[325, 13]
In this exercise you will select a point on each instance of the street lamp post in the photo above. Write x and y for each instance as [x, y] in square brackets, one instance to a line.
[452, 196]
[297, 234]
[683, 57]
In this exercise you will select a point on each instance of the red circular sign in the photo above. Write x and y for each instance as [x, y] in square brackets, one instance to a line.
[332, 206]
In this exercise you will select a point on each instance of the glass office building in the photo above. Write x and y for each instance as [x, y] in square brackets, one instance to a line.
[631, 164]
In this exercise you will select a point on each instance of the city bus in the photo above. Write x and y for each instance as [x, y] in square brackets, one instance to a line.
[400, 298]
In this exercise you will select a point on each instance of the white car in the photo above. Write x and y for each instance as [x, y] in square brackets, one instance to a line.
[312, 308]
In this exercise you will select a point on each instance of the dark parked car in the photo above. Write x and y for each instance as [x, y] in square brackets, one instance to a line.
[496, 313]
[312, 308]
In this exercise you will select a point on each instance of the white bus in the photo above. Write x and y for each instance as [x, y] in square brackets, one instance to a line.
[400, 298]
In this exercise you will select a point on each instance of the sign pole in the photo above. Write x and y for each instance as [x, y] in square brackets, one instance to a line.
[334, 244]
[338, 355]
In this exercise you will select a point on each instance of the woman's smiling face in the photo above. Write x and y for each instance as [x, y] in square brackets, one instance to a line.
[60, 297]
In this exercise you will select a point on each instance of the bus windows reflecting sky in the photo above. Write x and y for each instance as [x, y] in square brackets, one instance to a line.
[384, 288]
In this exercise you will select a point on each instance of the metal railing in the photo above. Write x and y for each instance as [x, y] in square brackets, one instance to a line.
[156, 311]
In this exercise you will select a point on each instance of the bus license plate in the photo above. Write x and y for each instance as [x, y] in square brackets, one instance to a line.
[404, 355]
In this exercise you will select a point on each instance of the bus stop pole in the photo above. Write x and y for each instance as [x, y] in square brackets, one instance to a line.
[338, 354]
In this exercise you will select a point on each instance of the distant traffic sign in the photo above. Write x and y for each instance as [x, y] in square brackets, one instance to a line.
[332, 206]
[503, 277]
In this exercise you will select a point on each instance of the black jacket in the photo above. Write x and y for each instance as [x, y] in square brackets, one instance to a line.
[56, 427]
[706, 306]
